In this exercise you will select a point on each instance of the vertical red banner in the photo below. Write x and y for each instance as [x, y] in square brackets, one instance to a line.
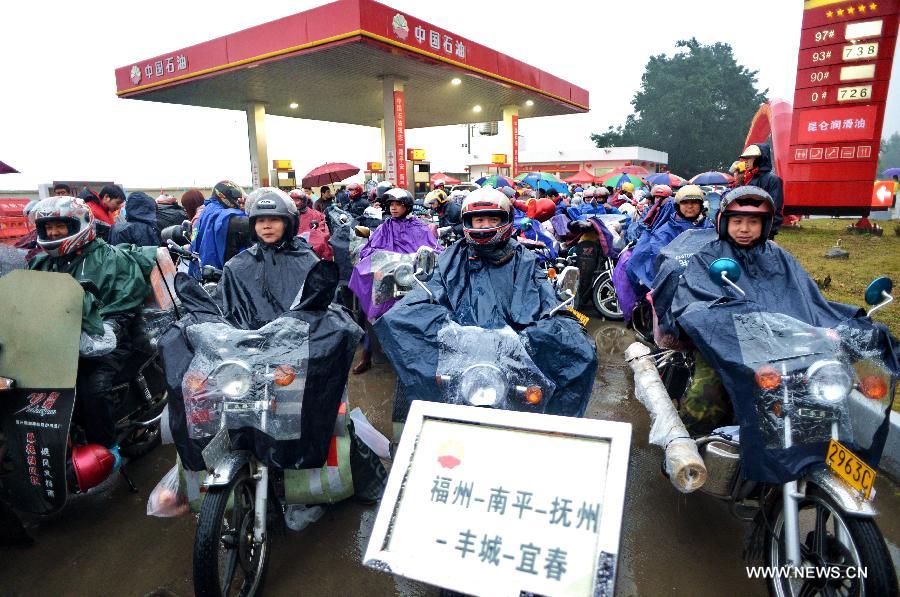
[515, 145]
[400, 138]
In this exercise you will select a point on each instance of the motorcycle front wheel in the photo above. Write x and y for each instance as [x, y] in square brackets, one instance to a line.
[849, 551]
[226, 559]
[604, 297]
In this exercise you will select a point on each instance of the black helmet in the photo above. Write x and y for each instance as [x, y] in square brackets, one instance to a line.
[269, 201]
[383, 187]
[400, 196]
[746, 200]
[228, 194]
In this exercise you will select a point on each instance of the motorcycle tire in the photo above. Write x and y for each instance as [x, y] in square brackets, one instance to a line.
[604, 298]
[223, 545]
[141, 442]
[866, 541]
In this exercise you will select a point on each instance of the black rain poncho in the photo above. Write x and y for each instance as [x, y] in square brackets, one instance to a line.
[470, 292]
[716, 320]
[262, 282]
[139, 227]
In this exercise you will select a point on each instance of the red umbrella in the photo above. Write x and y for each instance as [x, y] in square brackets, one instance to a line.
[638, 171]
[328, 173]
[7, 169]
[582, 176]
[445, 177]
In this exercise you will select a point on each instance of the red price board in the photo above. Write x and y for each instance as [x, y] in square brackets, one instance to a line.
[843, 74]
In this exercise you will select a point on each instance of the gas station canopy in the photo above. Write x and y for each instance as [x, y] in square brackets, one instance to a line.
[328, 63]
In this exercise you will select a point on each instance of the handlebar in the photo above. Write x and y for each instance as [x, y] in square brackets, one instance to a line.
[173, 247]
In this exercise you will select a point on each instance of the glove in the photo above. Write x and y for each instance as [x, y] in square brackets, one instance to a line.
[97, 346]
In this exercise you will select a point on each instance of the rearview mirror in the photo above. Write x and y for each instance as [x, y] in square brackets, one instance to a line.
[404, 275]
[425, 262]
[878, 293]
[724, 269]
[567, 282]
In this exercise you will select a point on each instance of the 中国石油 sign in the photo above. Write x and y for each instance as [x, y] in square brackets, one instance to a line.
[494, 502]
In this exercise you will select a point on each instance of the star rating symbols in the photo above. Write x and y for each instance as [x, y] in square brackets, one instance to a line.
[852, 10]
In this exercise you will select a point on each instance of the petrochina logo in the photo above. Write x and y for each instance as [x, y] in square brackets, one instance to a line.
[401, 28]
[135, 74]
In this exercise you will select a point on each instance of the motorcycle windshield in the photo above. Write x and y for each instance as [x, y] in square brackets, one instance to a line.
[491, 368]
[384, 284]
[247, 378]
[813, 384]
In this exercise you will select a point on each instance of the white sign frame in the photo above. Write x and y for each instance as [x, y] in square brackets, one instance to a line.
[380, 557]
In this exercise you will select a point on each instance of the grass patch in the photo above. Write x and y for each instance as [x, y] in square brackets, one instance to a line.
[870, 256]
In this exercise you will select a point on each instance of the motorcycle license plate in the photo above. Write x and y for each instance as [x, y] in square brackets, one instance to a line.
[849, 467]
[581, 317]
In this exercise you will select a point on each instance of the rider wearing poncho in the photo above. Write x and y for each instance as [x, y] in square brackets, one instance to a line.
[773, 282]
[688, 214]
[260, 284]
[491, 281]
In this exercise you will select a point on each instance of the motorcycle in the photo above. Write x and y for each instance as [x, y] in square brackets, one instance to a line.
[394, 273]
[43, 453]
[597, 259]
[270, 406]
[178, 236]
[810, 385]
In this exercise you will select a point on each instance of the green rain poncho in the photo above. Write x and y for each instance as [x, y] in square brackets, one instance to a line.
[120, 274]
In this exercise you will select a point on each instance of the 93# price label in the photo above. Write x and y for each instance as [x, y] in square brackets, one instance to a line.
[861, 51]
[854, 94]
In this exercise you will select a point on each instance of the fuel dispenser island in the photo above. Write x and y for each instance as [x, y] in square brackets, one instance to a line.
[283, 175]
[420, 181]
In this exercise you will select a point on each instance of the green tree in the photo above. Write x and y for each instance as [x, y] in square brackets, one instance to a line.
[695, 105]
[889, 156]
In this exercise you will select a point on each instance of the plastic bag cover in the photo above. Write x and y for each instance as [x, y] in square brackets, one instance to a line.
[473, 356]
[383, 264]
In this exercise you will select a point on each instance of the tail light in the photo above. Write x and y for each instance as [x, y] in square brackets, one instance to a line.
[284, 375]
[551, 273]
[873, 386]
[767, 377]
[7, 384]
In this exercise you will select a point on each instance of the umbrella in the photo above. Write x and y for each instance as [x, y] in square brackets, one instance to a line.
[889, 173]
[673, 180]
[445, 177]
[617, 180]
[543, 180]
[495, 180]
[712, 178]
[582, 176]
[636, 170]
[7, 169]
[328, 173]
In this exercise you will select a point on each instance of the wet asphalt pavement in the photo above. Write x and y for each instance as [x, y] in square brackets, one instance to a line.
[672, 544]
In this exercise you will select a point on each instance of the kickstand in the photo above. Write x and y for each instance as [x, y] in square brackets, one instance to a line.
[132, 488]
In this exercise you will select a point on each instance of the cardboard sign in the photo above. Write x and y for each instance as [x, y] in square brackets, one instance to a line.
[491, 502]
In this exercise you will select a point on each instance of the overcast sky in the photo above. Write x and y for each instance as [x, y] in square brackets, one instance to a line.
[60, 117]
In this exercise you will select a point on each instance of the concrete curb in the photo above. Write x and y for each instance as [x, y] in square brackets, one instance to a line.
[866, 415]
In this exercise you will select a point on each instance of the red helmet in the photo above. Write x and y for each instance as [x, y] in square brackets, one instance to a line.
[93, 464]
[746, 200]
[661, 190]
[487, 202]
[354, 190]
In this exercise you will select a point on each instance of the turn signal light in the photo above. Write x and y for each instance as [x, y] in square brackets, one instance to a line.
[767, 377]
[551, 273]
[6, 383]
[533, 395]
[194, 382]
[777, 410]
[284, 375]
[873, 386]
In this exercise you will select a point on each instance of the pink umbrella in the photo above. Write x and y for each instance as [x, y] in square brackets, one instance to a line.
[328, 173]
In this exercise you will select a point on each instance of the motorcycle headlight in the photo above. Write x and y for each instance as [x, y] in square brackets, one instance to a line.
[483, 385]
[829, 381]
[232, 378]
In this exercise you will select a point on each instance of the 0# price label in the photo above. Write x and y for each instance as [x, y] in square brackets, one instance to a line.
[856, 93]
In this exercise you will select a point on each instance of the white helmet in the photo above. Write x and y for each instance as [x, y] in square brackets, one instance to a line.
[487, 201]
[73, 212]
[588, 192]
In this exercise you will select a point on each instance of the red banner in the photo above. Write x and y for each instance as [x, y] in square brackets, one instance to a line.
[400, 138]
[515, 145]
